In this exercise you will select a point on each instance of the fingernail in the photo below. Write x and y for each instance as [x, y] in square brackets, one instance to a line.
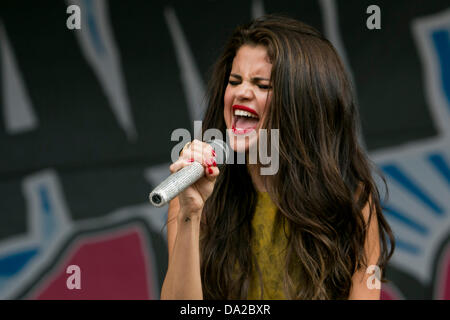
[210, 170]
[191, 160]
[214, 163]
[213, 153]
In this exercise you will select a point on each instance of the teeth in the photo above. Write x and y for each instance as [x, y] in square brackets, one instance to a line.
[243, 113]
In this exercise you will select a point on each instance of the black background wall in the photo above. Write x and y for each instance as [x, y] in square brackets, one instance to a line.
[102, 167]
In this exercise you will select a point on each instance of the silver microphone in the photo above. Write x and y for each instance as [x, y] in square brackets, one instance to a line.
[180, 180]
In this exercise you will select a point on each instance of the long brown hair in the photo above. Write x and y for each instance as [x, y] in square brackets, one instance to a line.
[324, 178]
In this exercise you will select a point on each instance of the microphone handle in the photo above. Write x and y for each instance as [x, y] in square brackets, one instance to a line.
[176, 183]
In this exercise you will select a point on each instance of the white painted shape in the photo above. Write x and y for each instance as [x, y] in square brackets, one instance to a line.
[191, 79]
[33, 237]
[332, 32]
[421, 265]
[257, 8]
[157, 173]
[430, 178]
[421, 29]
[416, 167]
[407, 234]
[106, 66]
[412, 156]
[49, 180]
[411, 149]
[18, 112]
[405, 202]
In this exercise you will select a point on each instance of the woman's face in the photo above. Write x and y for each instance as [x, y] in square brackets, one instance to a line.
[247, 95]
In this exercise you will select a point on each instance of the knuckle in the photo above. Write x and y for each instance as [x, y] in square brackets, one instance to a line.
[186, 155]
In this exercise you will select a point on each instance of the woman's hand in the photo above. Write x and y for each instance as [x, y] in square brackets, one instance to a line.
[193, 198]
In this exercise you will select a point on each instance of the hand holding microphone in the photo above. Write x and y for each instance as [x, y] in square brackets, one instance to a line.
[193, 176]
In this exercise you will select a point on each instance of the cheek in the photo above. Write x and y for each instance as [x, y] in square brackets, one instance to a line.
[264, 101]
[227, 100]
[227, 96]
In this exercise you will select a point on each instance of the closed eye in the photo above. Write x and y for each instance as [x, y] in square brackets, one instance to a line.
[261, 86]
[264, 87]
[234, 83]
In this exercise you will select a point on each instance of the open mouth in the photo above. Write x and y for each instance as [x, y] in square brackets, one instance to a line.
[245, 119]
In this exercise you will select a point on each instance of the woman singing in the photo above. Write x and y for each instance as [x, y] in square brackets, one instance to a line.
[312, 229]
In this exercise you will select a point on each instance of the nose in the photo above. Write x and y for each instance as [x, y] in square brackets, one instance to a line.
[245, 92]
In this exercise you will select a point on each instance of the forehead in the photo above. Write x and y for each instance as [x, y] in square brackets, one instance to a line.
[252, 60]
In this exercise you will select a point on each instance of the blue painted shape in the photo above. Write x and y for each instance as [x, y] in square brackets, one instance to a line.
[48, 218]
[403, 218]
[13, 263]
[3, 283]
[397, 174]
[405, 246]
[441, 41]
[93, 28]
[45, 201]
[439, 163]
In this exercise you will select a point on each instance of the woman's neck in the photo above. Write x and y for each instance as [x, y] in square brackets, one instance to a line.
[253, 170]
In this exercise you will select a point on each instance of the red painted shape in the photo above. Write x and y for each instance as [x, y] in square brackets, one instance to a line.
[113, 266]
[387, 294]
[390, 292]
[443, 275]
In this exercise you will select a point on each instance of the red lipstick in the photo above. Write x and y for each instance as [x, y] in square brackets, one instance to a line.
[239, 107]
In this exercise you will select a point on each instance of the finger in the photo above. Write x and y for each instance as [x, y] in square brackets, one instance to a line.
[194, 146]
[179, 164]
[208, 150]
[190, 156]
[199, 146]
[204, 158]
[211, 175]
[209, 154]
[211, 172]
[188, 146]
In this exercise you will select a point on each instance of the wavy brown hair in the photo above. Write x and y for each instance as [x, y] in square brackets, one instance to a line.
[324, 178]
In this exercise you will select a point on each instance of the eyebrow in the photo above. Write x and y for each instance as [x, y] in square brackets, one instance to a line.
[253, 79]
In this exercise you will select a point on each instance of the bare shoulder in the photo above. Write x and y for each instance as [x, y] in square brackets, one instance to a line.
[361, 285]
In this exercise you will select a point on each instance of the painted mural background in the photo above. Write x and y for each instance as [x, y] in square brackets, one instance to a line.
[86, 118]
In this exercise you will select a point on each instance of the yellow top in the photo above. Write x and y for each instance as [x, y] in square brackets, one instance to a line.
[268, 248]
